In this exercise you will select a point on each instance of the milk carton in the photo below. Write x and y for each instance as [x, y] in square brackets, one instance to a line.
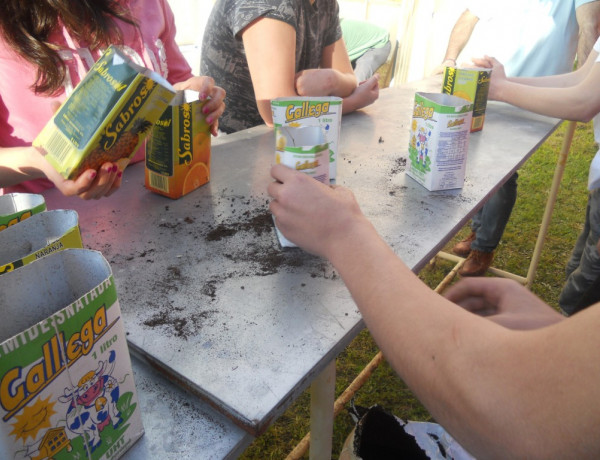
[325, 112]
[16, 207]
[303, 149]
[439, 140]
[66, 382]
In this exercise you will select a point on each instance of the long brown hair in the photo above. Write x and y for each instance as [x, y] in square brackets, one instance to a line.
[26, 26]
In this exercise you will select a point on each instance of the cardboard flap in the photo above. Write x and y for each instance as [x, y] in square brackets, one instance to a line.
[39, 289]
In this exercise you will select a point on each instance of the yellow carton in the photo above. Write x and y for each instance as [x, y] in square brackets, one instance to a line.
[107, 116]
[178, 149]
[470, 84]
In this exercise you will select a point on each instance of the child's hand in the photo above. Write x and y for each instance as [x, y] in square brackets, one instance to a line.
[215, 95]
[498, 75]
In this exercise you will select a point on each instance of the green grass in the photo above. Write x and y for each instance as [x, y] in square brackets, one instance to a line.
[513, 255]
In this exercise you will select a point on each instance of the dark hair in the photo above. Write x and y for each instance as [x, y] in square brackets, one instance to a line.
[26, 26]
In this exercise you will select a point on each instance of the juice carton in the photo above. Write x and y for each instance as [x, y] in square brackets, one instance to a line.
[470, 84]
[303, 149]
[38, 236]
[66, 382]
[439, 140]
[178, 149]
[325, 112]
[107, 116]
[16, 207]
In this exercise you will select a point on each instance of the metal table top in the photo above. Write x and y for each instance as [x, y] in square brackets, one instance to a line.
[208, 296]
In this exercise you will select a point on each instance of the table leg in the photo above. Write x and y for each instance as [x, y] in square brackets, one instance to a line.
[321, 413]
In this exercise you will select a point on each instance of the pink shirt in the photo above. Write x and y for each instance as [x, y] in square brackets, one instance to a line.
[23, 114]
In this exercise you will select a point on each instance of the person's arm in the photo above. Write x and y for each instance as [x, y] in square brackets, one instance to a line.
[20, 164]
[588, 19]
[571, 96]
[459, 37]
[501, 393]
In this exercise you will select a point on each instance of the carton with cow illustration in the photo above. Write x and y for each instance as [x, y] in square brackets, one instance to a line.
[66, 382]
[439, 140]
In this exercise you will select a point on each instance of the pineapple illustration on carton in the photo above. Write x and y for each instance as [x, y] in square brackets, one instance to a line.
[107, 116]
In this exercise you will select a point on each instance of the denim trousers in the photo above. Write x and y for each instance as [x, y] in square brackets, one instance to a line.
[490, 221]
[583, 268]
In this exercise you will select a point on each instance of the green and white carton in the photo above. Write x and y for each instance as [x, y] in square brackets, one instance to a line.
[439, 140]
[66, 382]
[107, 117]
[324, 112]
[303, 149]
[38, 236]
[16, 207]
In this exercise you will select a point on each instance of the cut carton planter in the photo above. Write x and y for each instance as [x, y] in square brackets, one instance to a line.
[16, 207]
[38, 236]
[472, 84]
[66, 383]
[325, 112]
[178, 150]
[439, 140]
[303, 149]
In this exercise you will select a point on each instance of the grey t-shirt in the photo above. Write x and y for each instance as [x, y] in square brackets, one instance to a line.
[224, 58]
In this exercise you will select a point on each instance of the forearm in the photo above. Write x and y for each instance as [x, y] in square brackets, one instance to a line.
[460, 35]
[20, 164]
[588, 19]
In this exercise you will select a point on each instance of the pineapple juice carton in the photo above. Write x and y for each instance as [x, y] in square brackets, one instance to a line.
[38, 236]
[107, 116]
[303, 149]
[66, 381]
[178, 149]
[16, 207]
[325, 112]
[439, 140]
[471, 84]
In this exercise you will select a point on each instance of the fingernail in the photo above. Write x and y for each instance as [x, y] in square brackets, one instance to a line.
[114, 168]
[93, 174]
[120, 173]
[204, 110]
[202, 96]
[209, 120]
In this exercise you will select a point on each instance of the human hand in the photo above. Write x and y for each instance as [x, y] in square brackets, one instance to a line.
[498, 75]
[89, 185]
[440, 69]
[313, 215]
[365, 93]
[215, 96]
[504, 302]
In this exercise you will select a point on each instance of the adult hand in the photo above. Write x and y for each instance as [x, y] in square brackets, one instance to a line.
[215, 96]
[89, 185]
[498, 75]
[365, 94]
[311, 214]
[504, 302]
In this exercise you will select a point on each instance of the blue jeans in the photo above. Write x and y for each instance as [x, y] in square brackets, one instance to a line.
[583, 269]
[490, 221]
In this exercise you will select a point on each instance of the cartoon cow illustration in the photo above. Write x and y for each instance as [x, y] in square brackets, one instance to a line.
[422, 145]
[93, 403]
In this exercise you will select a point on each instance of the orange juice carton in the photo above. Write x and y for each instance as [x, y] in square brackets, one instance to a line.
[439, 140]
[325, 112]
[38, 236]
[303, 149]
[16, 207]
[66, 381]
[178, 149]
[106, 117]
[473, 85]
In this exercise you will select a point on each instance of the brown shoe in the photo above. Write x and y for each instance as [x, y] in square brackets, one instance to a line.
[477, 263]
[463, 248]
